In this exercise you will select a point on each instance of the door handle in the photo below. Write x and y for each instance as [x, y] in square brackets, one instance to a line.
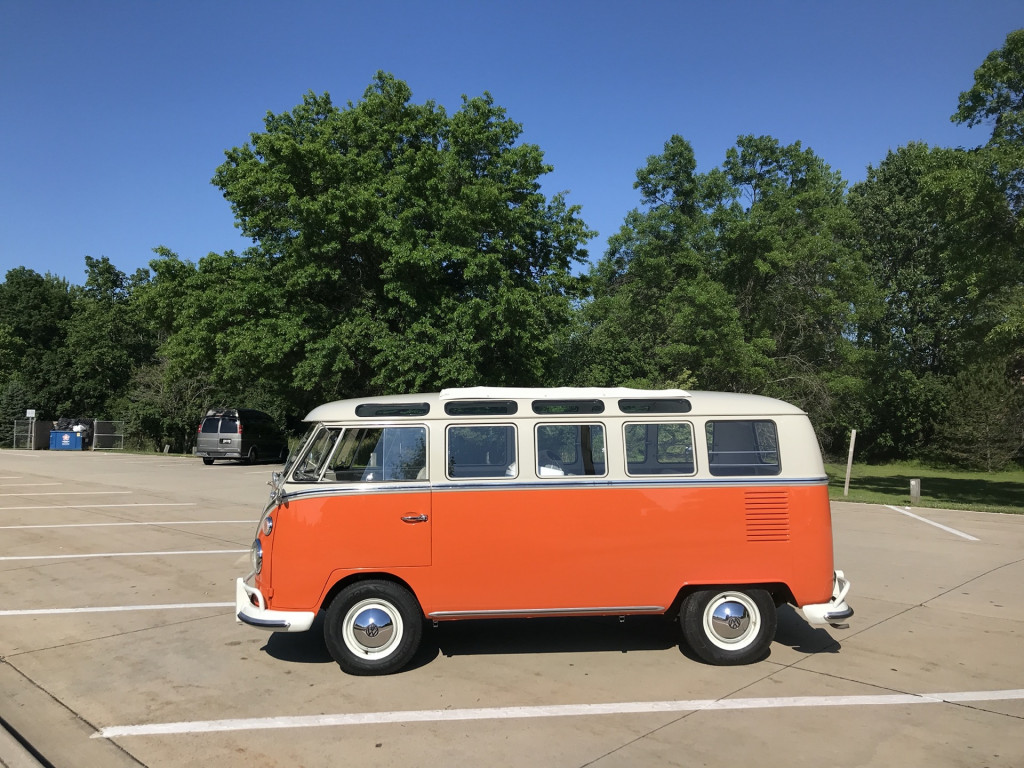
[414, 519]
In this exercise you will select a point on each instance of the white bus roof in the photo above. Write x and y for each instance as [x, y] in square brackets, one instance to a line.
[430, 405]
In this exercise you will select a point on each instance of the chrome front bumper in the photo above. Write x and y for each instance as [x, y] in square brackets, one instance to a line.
[258, 615]
[835, 611]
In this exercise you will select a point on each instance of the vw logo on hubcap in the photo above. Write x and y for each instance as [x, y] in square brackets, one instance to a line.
[730, 620]
[373, 628]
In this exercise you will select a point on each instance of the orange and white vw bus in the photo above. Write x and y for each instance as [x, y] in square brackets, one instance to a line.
[508, 502]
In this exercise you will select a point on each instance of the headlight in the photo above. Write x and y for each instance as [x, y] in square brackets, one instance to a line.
[268, 525]
[257, 556]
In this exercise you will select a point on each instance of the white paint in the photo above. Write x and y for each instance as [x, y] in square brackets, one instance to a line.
[68, 493]
[112, 609]
[103, 506]
[109, 525]
[127, 554]
[31, 485]
[946, 528]
[563, 710]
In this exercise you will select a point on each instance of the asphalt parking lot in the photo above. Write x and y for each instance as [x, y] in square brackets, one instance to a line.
[118, 647]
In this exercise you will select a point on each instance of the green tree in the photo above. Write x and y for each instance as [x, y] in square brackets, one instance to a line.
[106, 340]
[983, 424]
[941, 246]
[800, 288]
[741, 278]
[400, 248]
[167, 394]
[997, 98]
[162, 406]
[34, 312]
[659, 316]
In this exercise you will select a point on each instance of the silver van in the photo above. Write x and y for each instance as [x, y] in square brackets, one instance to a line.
[240, 433]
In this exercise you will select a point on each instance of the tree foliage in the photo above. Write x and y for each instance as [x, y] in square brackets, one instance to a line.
[401, 248]
[741, 278]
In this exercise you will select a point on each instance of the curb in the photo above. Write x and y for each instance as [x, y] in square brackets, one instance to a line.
[13, 753]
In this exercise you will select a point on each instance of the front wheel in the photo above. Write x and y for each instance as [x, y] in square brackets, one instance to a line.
[729, 626]
[207, 460]
[373, 628]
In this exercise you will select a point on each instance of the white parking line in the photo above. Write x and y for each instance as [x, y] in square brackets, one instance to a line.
[126, 554]
[68, 493]
[112, 609]
[103, 506]
[946, 528]
[31, 485]
[107, 525]
[565, 710]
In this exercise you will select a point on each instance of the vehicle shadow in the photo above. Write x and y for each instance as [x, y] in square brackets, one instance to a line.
[300, 647]
[554, 635]
[795, 632]
[500, 636]
[482, 637]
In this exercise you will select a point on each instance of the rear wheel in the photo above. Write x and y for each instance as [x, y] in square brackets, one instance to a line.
[373, 628]
[729, 626]
[207, 460]
[250, 458]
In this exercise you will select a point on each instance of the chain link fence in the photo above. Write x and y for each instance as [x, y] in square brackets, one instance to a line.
[32, 434]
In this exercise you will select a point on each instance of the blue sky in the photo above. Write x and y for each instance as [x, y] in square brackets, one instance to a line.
[114, 115]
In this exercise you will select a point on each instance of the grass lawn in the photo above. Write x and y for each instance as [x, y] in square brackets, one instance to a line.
[890, 484]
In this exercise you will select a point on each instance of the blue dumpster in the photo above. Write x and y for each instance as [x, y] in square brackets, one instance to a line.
[65, 441]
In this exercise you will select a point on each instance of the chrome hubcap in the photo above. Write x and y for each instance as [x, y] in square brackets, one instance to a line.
[373, 628]
[730, 620]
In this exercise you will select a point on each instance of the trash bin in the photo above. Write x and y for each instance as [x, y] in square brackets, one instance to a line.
[65, 441]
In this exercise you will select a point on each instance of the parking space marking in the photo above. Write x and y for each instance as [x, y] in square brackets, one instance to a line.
[69, 493]
[108, 525]
[563, 710]
[103, 506]
[112, 609]
[126, 554]
[30, 485]
[946, 528]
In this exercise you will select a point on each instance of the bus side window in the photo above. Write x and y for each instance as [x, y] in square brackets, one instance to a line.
[311, 463]
[570, 449]
[377, 455]
[484, 451]
[743, 448]
[659, 449]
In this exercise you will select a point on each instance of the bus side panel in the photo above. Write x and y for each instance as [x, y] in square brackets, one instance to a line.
[812, 567]
[314, 537]
[599, 547]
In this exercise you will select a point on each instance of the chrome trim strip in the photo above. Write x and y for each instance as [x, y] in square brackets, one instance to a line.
[350, 489]
[596, 611]
[684, 483]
